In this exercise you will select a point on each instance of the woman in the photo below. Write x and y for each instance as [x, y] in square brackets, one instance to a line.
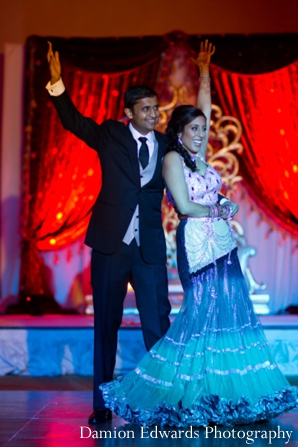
[213, 366]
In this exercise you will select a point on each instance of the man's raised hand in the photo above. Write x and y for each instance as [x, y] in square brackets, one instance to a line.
[54, 64]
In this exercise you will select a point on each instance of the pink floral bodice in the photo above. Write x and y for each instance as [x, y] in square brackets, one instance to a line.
[202, 189]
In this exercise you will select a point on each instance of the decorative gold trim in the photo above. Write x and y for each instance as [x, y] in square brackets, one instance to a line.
[179, 97]
[224, 137]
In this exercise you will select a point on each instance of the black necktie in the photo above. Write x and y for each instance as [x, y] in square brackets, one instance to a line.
[144, 152]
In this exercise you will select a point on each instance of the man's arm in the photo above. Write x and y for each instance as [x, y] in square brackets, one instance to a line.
[84, 128]
[204, 102]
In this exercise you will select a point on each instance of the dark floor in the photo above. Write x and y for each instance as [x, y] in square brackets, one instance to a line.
[59, 418]
[67, 382]
[73, 382]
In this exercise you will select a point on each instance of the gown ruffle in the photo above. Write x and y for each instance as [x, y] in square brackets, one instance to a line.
[213, 366]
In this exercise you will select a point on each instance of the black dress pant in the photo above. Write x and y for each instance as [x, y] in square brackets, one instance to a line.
[110, 275]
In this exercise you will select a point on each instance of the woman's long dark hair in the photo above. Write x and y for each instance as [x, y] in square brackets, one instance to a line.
[181, 116]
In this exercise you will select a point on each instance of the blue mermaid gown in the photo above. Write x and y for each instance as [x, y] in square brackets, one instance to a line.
[213, 366]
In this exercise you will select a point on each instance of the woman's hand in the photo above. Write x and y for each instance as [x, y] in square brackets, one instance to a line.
[204, 56]
[234, 206]
[54, 64]
[227, 210]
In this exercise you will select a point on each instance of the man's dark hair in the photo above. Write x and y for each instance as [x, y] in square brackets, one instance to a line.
[136, 92]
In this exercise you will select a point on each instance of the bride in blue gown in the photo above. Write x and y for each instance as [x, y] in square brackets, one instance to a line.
[214, 365]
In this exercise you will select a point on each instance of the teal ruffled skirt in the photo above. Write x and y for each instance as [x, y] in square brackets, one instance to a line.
[213, 366]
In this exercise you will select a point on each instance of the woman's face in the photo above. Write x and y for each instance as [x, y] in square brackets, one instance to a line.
[194, 134]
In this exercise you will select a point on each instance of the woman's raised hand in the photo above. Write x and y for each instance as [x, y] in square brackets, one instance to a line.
[54, 64]
[204, 56]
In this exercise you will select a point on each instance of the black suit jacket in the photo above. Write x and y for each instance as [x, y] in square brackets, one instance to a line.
[121, 189]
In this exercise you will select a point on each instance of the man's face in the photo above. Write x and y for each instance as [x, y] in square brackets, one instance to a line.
[144, 115]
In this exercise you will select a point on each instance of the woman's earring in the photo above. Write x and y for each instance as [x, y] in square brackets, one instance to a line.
[179, 139]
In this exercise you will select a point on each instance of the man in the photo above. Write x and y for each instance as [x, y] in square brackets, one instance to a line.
[125, 229]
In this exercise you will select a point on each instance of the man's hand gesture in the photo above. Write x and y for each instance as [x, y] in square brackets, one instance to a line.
[54, 64]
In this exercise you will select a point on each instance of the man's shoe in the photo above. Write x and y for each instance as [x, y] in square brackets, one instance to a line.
[100, 416]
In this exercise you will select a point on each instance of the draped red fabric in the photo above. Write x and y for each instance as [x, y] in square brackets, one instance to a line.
[267, 107]
[62, 174]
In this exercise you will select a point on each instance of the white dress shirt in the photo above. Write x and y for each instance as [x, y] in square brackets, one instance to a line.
[150, 139]
[55, 89]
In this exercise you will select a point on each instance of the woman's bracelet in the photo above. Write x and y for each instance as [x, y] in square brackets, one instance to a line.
[221, 211]
[226, 212]
[213, 211]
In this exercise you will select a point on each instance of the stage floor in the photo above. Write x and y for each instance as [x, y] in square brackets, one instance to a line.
[59, 418]
[53, 345]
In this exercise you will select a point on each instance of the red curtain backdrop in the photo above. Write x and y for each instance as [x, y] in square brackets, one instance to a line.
[61, 177]
[267, 107]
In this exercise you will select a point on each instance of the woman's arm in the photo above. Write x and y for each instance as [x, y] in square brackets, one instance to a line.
[172, 170]
[173, 174]
[204, 93]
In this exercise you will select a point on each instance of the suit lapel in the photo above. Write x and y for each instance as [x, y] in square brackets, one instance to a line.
[162, 143]
[132, 149]
[160, 147]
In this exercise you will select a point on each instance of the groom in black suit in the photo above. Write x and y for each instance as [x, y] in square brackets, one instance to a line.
[125, 229]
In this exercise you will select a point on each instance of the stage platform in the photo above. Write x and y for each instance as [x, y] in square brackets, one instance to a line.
[53, 345]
